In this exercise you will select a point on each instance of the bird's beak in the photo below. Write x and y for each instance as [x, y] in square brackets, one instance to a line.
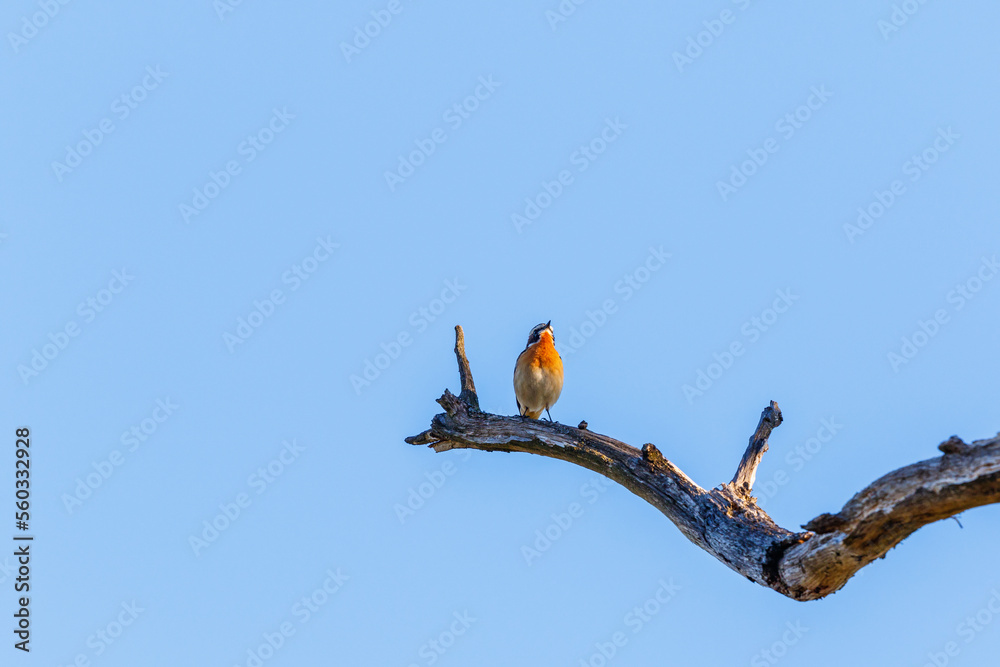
[549, 324]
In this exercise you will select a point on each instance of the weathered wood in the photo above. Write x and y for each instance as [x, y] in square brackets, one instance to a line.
[746, 473]
[468, 394]
[726, 521]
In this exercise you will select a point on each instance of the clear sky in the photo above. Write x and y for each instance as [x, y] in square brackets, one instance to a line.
[236, 238]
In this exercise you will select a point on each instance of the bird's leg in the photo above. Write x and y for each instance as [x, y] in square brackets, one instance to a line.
[547, 413]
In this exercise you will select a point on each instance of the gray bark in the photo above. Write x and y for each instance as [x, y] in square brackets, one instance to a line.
[726, 521]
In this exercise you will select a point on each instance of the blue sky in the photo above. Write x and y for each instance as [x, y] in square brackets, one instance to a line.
[237, 236]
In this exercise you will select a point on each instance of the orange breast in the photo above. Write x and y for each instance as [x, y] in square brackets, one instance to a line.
[544, 355]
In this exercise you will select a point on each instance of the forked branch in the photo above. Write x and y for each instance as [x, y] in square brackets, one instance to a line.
[726, 521]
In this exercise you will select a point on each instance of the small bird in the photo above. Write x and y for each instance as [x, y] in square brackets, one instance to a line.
[538, 373]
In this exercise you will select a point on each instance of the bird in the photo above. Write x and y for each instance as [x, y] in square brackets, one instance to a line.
[538, 373]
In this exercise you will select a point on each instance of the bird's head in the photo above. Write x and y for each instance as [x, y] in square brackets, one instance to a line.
[538, 330]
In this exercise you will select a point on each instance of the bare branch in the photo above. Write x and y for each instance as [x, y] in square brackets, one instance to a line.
[726, 521]
[888, 510]
[468, 394]
[746, 473]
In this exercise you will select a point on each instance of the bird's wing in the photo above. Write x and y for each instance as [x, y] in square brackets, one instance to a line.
[520, 410]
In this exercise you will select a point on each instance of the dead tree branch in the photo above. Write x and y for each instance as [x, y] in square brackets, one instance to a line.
[726, 521]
